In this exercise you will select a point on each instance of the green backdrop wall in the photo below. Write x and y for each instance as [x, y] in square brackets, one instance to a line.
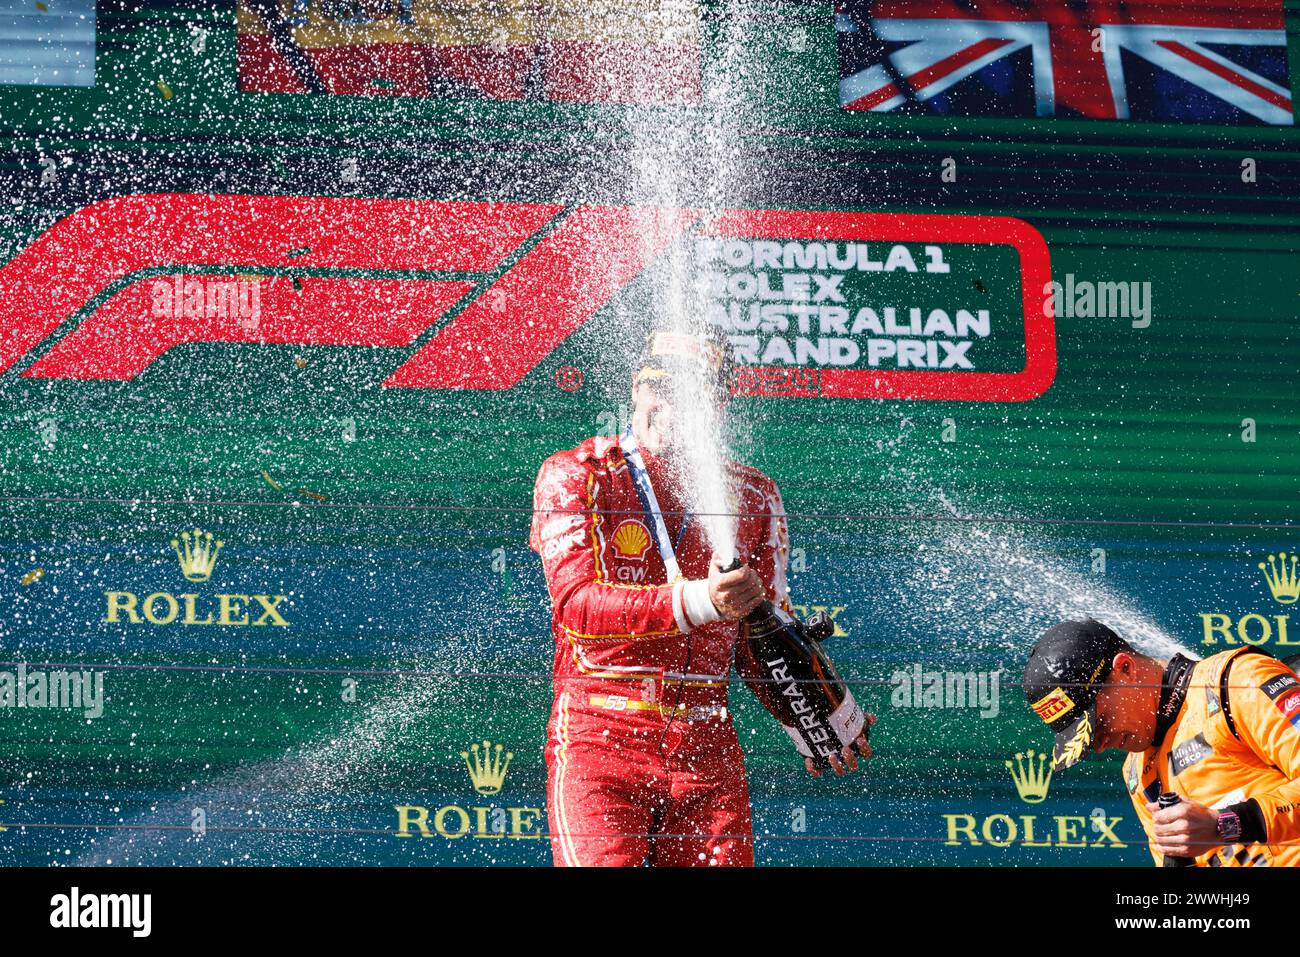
[1143, 484]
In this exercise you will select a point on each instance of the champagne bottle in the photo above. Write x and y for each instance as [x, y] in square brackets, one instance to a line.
[807, 695]
[1169, 799]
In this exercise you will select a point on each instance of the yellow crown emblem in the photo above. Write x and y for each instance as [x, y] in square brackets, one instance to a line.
[1031, 781]
[1282, 579]
[631, 540]
[487, 769]
[199, 556]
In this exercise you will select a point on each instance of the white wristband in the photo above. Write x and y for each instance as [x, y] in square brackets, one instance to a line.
[697, 604]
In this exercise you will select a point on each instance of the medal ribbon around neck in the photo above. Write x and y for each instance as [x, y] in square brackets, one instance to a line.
[650, 506]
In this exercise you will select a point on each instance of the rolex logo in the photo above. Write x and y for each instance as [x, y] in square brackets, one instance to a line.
[1280, 573]
[1031, 781]
[199, 555]
[487, 769]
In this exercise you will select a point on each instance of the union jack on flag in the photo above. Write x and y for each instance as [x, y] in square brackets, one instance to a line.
[1195, 61]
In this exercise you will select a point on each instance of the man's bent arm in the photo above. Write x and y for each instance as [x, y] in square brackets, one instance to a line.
[568, 532]
[1265, 701]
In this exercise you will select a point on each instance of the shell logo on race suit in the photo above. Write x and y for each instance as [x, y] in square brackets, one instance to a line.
[631, 540]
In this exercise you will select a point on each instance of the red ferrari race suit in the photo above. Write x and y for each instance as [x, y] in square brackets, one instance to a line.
[643, 763]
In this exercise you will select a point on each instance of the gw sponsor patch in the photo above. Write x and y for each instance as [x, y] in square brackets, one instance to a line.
[1188, 753]
[1131, 773]
[1211, 702]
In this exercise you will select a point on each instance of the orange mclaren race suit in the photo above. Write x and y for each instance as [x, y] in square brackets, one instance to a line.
[1234, 744]
[643, 763]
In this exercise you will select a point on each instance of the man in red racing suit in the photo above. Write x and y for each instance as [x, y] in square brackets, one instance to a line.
[643, 763]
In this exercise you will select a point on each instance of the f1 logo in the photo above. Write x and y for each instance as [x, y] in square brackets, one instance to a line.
[483, 291]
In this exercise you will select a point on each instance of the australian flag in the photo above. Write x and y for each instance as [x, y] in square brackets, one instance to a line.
[1191, 61]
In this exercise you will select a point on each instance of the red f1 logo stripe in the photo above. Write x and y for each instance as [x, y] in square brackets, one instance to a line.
[127, 333]
[552, 291]
[86, 252]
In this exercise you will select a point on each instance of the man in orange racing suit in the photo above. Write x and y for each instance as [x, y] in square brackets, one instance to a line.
[1223, 734]
[643, 763]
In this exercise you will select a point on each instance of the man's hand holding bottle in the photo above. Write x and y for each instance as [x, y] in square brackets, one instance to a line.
[735, 593]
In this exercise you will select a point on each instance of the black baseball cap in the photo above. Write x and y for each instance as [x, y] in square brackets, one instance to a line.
[1066, 669]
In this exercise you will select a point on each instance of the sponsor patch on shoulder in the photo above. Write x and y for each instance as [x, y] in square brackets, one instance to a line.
[1290, 707]
[1284, 691]
[1131, 773]
[1211, 702]
[1279, 685]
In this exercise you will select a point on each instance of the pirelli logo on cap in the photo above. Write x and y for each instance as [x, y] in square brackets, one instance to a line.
[1052, 705]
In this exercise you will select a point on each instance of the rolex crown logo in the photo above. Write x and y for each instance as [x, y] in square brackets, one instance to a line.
[487, 768]
[198, 556]
[1280, 573]
[1031, 780]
